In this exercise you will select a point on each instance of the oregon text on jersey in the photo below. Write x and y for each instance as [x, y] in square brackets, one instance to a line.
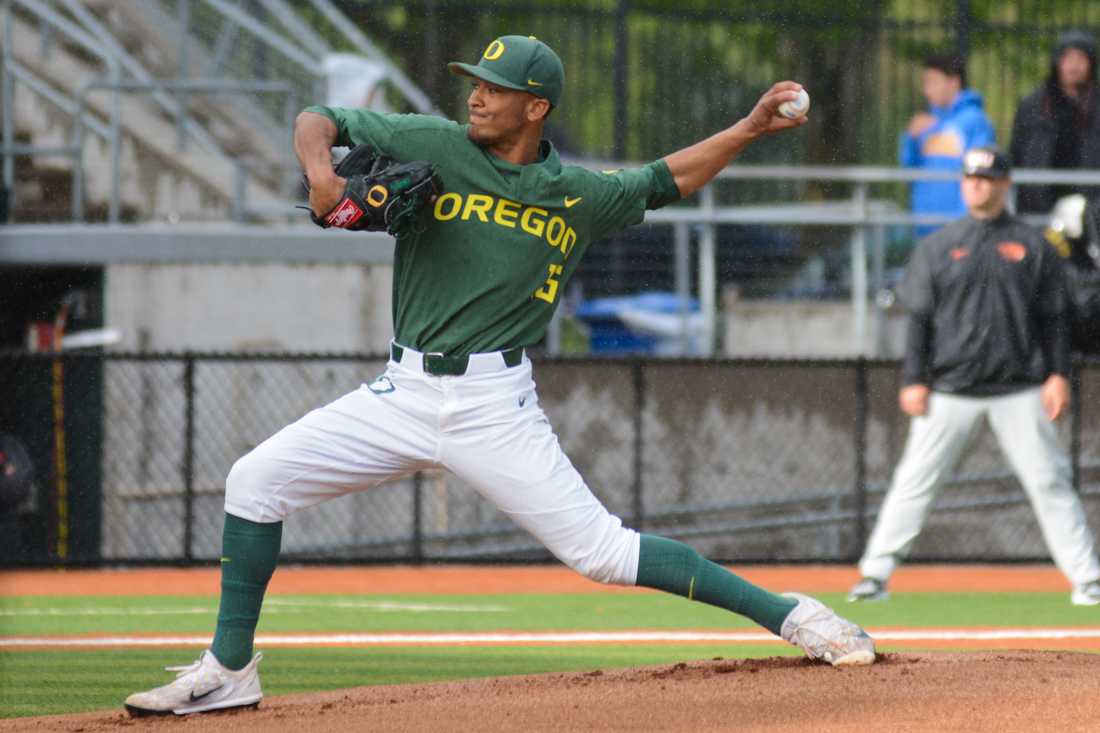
[509, 214]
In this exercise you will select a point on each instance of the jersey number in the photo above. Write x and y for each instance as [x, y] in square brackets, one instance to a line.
[549, 291]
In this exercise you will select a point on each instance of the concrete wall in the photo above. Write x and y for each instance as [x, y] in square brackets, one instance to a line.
[347, 308]
[806, 329]
[236, 308]
[253, 307]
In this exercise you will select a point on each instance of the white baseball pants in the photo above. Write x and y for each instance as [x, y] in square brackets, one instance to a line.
[1029, 442]
[485, 426]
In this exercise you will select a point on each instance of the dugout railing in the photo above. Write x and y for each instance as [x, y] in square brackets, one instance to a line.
[749, 460]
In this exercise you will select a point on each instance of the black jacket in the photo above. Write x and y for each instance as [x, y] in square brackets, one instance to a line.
[1034, 140]
[986, 302]
[1052, 131]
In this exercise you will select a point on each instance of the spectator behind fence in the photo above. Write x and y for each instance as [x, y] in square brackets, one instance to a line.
[1058, 125]
[987, 339]
[936, 139]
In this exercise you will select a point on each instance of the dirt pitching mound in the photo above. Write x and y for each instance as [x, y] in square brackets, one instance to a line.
[987, 691]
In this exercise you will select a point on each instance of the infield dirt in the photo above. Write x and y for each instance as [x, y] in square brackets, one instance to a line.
[982, 691]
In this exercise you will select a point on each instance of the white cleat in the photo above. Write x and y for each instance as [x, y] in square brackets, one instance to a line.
[1086, 595]
[818, 631]
[201, 686]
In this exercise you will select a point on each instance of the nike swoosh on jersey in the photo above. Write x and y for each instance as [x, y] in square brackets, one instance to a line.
[570, 202]
[196, 698]
[522, 401]
[533, 83]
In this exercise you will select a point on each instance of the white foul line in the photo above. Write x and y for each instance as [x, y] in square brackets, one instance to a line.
[571, 637]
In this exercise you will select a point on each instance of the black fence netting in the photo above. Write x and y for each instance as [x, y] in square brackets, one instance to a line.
[667, 74]
[746, 460]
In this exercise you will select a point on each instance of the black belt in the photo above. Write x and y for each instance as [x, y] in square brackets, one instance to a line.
[441, 365]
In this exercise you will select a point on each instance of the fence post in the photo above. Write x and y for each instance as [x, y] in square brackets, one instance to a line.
[1075, 426]
[708, 273]
[878, 288]
[859, 488]
[58, 368]
[7, 101]
[188, 455]
[418, 514]
[638, 372]
[859, 272]
[183, 17]
[622, 35]
[238, 209]
[962, 27]
[682, 277]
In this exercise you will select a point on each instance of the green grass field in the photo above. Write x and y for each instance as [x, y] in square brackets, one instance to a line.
[40, 682]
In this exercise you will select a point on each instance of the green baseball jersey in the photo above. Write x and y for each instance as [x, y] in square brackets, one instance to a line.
[485, 267]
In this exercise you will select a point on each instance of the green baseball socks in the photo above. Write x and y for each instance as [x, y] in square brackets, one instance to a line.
[674, 567]
[250, 551]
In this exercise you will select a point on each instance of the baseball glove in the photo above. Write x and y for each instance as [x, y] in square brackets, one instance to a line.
[380, 195]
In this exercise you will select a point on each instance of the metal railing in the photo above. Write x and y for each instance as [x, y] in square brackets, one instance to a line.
[699, 219]
[99, 43]
[866, 218]
[239, 206]
[13, 71]
[696, 219]
[125, 74]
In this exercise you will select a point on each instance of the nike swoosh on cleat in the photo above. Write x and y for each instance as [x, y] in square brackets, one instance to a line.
[570, 202]
[196, 698]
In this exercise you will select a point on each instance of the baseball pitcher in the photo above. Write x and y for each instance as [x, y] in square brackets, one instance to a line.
[478, 272]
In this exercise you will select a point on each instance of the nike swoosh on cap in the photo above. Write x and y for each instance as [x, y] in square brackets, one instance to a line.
[533, 83]
[570, 202]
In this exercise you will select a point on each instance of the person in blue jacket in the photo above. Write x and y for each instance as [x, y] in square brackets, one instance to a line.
[936, 139]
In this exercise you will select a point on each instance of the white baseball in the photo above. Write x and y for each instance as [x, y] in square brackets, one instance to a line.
[797, 107]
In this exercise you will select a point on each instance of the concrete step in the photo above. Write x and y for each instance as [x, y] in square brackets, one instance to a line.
[157, 179]
[242, 123]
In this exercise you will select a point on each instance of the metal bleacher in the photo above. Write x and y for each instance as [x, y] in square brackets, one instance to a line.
[165, 110]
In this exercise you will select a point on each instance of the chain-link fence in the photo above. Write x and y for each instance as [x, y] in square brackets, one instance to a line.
[748, 460]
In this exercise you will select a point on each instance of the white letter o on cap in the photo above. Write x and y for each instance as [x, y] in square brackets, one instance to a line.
[494, 51]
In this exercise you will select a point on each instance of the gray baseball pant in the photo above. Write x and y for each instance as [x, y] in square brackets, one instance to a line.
[1029, 442]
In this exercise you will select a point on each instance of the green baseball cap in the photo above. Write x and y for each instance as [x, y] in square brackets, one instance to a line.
[523, 63]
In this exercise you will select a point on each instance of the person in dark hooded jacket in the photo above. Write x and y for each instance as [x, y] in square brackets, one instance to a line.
[1058, 125]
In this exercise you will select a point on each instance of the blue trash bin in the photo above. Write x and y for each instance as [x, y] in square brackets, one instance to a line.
[610, 335]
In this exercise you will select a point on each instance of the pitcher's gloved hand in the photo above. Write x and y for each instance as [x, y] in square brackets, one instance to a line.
[380, 195]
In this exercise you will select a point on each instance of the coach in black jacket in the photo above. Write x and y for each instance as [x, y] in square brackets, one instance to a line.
[1058, 125]
[987, 338]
